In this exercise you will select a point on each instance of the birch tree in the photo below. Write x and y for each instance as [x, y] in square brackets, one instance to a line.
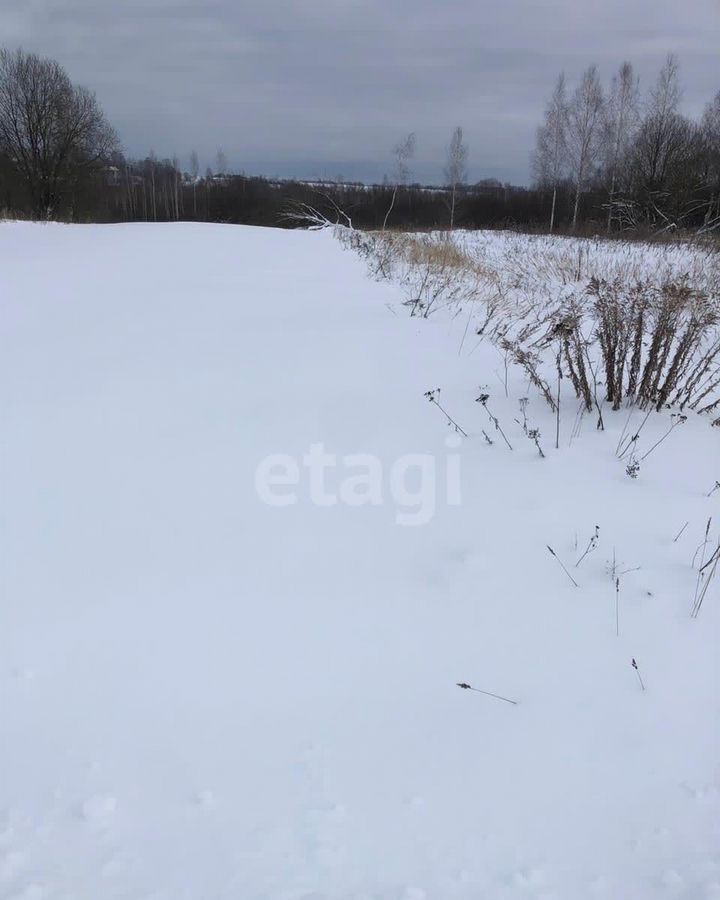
[711, 137]
[549, 158]
[403, 152]
[177, 193]
[195, 173]
[621, 120]
[455, 168]
[584, 132]
[151, 167]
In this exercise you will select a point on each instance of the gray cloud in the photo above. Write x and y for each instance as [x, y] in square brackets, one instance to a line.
[327, 86]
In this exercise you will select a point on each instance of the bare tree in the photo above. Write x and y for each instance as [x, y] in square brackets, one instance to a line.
[177, 193]
[660, 130]
[194, 164]
[455, 168]
[221, 163]
[151, 171]
[667, 156]
[53, 131]
[403, 153]
[711, 138]
[584, 131]
[621, 120]
[549, 158]
[194, 172]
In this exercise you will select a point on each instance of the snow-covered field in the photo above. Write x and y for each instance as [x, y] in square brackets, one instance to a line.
[206, 695]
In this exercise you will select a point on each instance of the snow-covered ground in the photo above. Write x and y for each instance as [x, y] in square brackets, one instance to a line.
[205, 695]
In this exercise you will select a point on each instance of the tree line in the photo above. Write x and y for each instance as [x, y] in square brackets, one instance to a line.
[633, 160]
[610, 160]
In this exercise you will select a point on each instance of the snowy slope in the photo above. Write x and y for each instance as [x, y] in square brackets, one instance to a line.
[205, 696]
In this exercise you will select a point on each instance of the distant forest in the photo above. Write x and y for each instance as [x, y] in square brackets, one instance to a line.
[606, 161]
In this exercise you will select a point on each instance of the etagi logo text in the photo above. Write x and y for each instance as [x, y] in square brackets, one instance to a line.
[415, 483]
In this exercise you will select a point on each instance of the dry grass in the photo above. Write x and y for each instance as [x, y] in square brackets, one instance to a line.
[623, 321]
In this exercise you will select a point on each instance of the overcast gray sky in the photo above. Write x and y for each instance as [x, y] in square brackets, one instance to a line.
[326, 87]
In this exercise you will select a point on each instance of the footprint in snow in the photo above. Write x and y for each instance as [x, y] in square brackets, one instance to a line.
[529, 878]
[327, 830]
[204, 798]
[672, 880]
[30, 892]
[10, 864]
[23, 673]
[412, 893]
[98, 809]
[705, 792]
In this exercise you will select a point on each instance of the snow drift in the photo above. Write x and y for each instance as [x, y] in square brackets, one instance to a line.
[210, 696]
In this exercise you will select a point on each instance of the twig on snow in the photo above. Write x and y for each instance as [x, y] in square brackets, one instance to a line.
[468, 687]
[561, 564]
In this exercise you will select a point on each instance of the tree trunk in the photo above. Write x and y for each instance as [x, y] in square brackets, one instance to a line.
[392, 203]
[552, 211]
[610, 202]
[576, 210]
